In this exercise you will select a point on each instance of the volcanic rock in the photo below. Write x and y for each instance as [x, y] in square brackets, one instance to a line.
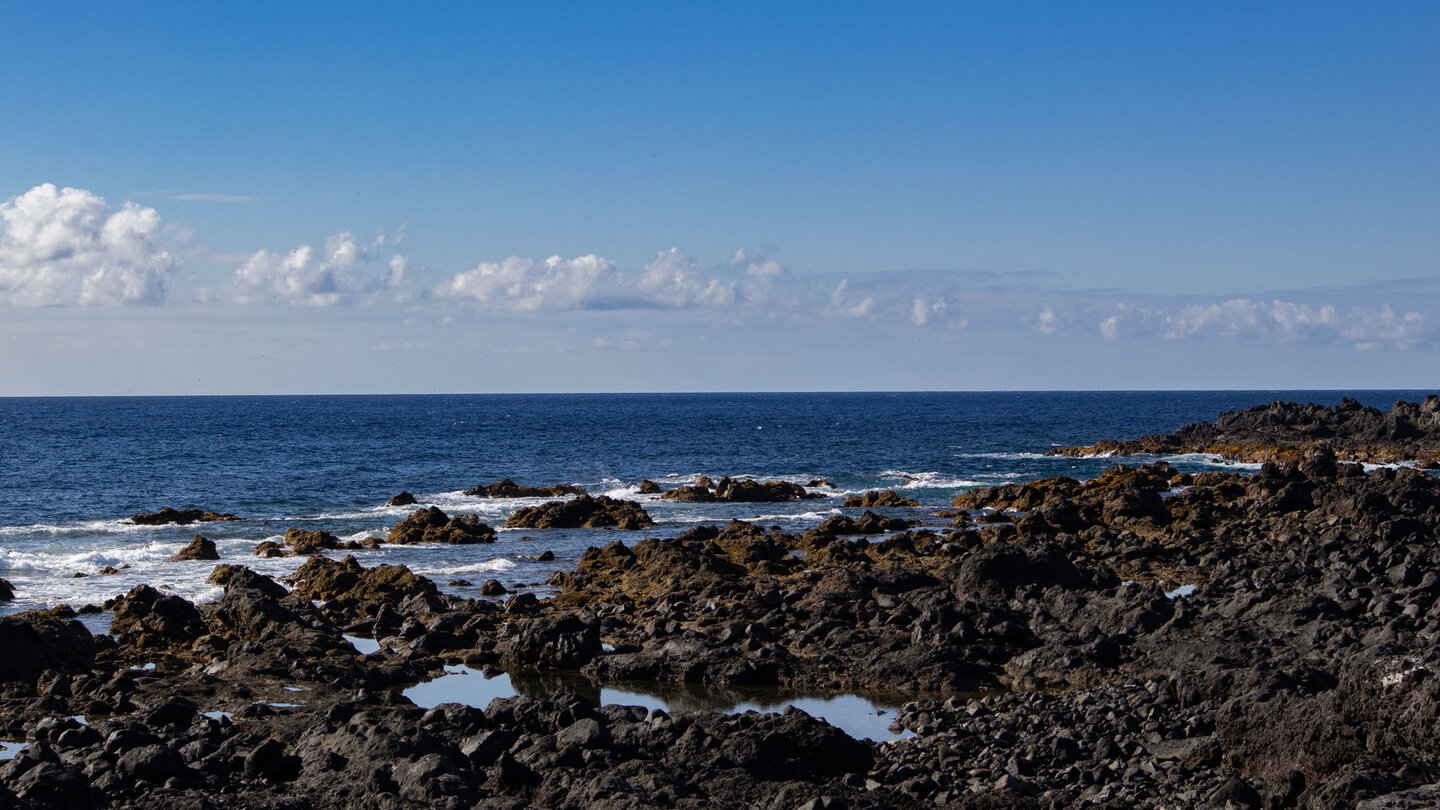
[403, 499]
[584, 512]
[305, 542]
[36, 641]
[432, 525]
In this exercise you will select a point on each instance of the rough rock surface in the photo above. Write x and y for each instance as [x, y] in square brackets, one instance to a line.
[7, 591]
[199, 548]
[584, 512]
[1286, 431]
[179, 516]
[402, 499]
[305, 542]
[432, 525]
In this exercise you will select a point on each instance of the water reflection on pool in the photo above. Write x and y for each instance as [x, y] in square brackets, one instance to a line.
[857, 715]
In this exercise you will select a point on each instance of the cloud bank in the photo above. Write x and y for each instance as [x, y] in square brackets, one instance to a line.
[68, 247]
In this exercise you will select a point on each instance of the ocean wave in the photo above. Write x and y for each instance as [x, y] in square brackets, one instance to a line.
[929, 480]
[495, 566]
[1209, 460]
[1010, 456]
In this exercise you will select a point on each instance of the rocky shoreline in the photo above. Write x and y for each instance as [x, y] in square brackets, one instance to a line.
[1149, 638]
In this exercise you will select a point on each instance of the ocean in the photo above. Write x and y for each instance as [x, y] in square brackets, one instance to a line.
[73, 469]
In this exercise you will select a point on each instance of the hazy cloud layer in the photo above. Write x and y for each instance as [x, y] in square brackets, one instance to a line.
[1364, 328]
[62, 247]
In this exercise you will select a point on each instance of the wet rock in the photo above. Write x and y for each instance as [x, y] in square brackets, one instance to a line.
[402, 499]
[7, 591]
[505, 488]
[492, 587]
[199, 548]
[269, 548]
[432, 525]
[584, 512]
[179, 516]
[648, 487]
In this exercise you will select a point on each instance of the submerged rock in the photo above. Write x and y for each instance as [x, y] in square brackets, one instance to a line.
[584, 512]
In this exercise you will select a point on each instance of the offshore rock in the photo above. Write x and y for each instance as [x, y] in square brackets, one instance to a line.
[732, 490]
[584, 512]
[505, 488]
[305, 542]
[432, 525]
[7, 591]
[199, 548]
[403, 499]
[883, 498]
[179, 516]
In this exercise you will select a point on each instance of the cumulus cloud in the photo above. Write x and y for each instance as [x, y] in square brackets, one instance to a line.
[527, 285]
[677, 281]
[308, 277]
[67, 246]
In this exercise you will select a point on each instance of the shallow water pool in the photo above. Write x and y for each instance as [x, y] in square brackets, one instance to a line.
[856, 715]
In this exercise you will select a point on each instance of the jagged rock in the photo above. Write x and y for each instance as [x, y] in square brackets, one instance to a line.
[648, 487]
[584, 512]
[883, 498]
[326, 579]
[238, 576]
[269, 548]
[403, 499]
[7, 591]
[492, 587]
[199, 548]
[147, 619]
[303, 542]
[180, 516]
[432, 525]
[505, 488]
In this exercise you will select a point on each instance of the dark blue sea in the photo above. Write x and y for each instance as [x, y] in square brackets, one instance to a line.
[71, 470]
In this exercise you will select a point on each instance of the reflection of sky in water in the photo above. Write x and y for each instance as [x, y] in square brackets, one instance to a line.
[8, 750]
[855, 715]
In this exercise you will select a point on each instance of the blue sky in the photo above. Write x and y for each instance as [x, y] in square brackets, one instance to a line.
[260, 198]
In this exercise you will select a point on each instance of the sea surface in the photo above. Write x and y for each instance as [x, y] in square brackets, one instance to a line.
[73, 469]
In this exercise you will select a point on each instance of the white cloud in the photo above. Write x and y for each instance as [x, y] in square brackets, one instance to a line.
[307, 277]
[1047, 321]
[843, 305]
[527, 285]
[675, 280]
[921, 312]
[67, 246]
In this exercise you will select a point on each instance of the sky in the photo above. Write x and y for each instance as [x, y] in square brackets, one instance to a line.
[226, 198]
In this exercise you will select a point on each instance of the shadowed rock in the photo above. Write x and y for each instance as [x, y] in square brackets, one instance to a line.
[178, 516]
[505, 488]
[199, 548]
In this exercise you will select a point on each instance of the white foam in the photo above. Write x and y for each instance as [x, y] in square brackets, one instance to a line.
[1011, 456]
[929, 480]
[1210, 460]
[489, 566]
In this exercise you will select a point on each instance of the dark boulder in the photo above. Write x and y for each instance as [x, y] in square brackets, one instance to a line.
[584, 512]
[432, 525]
[403, 499]
[146, 618]
[33, 642]
[199, 548]
[733, 490]
[7, 591]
